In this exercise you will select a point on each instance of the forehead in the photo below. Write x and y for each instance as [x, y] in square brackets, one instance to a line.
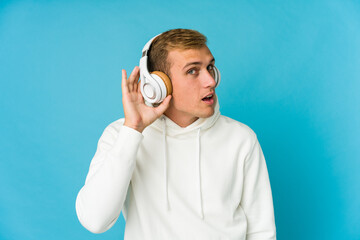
[180, 58]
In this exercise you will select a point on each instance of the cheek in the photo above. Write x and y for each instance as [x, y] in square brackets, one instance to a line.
[180, 90]
[182, 99]
[185, 92]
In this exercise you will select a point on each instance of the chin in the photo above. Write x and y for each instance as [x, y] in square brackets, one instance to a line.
[207, 114]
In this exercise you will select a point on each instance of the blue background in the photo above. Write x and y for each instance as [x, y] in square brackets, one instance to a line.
[290, 70]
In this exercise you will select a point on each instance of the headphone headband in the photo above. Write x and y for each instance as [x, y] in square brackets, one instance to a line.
[147, 46]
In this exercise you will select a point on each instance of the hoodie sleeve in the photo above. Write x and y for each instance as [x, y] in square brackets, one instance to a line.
[257, 201]
[100, 200]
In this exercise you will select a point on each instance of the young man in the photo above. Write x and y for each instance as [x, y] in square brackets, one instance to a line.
[179, 170]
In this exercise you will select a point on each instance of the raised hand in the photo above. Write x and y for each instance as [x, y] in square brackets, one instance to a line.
[137, 114]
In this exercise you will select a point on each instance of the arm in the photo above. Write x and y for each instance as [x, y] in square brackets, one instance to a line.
[257, 200]
[99, 202]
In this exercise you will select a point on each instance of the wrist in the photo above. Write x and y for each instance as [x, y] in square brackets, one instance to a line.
[136, 127]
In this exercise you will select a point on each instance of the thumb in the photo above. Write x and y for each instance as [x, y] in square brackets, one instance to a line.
[163, 106]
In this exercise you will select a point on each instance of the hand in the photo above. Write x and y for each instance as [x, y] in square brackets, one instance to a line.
[137, 114]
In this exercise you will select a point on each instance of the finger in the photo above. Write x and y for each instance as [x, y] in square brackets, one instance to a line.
[137, 82]
[163, 106]
[139, 91]
[134, 76]
[123, 81]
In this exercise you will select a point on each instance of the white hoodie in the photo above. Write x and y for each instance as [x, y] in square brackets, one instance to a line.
[205, 181]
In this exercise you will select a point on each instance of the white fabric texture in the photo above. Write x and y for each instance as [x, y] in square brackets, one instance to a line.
[205, 181]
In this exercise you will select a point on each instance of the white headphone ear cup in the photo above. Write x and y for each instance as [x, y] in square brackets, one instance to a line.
[217, 76]
[162, 90]
[150, 90]
[165, 79]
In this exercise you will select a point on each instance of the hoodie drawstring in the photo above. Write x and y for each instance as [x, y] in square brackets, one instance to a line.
[201, 211]
[165, 167]
[199, 174]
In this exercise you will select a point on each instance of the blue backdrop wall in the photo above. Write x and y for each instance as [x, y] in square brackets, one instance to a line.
[290, 70]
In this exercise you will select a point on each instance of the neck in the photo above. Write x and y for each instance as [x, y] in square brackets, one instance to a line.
[180, 119]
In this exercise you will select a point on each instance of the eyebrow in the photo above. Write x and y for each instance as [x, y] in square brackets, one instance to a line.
[196, 63]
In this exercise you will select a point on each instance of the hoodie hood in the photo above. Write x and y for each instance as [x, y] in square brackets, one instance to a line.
[170, 128]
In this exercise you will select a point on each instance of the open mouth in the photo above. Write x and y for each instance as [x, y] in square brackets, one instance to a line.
[209, 99]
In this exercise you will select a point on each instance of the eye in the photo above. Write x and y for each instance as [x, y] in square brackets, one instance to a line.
[211, 70]
[210, 67]
[192, 71]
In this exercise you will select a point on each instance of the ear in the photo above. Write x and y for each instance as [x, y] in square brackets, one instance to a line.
[166, 81]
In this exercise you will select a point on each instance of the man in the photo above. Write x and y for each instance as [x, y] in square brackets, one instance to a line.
[179, 170]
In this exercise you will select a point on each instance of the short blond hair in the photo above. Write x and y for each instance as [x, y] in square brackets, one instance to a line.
[182, 39]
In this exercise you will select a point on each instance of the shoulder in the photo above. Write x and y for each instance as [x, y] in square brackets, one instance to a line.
[234, 127]
[114, 127]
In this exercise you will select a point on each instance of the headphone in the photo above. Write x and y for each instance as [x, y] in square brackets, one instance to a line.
[155, 86]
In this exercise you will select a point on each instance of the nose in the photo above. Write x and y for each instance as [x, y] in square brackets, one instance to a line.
[208, 80]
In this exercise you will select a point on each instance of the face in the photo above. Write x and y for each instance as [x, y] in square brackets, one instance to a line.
[192, 77]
